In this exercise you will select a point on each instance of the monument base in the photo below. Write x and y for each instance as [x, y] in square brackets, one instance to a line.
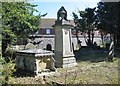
[69, 62]
[66, 62]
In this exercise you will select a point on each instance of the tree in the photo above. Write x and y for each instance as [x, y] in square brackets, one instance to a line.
[18, 22]
[86, 23]
[107, 21]
[76, 23]
[79, 25]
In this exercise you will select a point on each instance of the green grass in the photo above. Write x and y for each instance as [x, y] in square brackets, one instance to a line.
[86, 72]
[99, 73]
[90, 73]
[91, 69]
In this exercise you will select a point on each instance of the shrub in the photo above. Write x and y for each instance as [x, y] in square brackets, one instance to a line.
[7, 69]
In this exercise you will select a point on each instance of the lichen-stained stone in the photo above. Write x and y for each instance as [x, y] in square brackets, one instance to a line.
[29, 46]
[35, 60]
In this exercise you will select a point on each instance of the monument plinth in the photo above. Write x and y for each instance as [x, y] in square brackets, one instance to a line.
[64, 55]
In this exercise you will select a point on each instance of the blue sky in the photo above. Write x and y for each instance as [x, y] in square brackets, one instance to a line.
[51, 7]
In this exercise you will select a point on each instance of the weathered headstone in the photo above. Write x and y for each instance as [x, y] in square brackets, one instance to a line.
[63, 41]
[29, 46]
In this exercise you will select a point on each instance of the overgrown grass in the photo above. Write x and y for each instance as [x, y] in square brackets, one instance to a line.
[85, 72]
[91, 69]
[89, 73]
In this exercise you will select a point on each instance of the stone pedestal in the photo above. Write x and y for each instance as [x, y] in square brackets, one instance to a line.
[64, 56]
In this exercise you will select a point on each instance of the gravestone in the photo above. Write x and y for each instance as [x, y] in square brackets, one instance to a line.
[29, 46]
[64, 56]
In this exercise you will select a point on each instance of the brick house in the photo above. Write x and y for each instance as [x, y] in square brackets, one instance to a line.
[46, 34]
[46, 26]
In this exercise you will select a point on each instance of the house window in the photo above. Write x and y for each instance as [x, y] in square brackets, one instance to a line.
[47, 31]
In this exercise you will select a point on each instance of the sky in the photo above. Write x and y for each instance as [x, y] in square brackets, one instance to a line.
[52, 6]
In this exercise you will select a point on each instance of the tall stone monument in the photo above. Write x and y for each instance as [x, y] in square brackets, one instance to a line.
[63, 41]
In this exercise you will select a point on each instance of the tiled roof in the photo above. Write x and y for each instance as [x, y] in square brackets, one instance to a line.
[49, 22]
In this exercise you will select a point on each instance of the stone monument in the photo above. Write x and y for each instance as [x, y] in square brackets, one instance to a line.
[64, 56]
[35, 60]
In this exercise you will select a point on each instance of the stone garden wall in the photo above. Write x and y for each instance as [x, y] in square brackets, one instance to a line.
[50, 40]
